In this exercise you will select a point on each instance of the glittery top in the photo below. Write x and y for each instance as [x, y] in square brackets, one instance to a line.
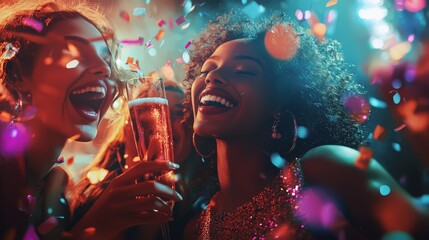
[268, 214]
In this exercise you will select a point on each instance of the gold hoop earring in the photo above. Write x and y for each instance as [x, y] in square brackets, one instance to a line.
[279, 138]
[203, 146]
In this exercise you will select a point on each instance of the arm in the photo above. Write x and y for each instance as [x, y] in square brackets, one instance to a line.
[358, 196]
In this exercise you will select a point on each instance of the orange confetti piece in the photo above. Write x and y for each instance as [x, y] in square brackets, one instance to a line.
[379, 133]
[129, 60]
[331, 3]
[364, 158]
[160, 35]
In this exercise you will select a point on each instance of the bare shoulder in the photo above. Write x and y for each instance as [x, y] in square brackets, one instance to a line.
[333, 162]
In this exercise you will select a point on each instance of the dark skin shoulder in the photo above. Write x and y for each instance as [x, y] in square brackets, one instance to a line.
[357, 193]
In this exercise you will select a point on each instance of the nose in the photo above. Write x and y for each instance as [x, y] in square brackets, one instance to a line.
[215, 77]
[101, 70]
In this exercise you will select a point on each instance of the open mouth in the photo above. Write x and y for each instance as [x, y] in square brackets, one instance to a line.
[88, 100]
[216, 101]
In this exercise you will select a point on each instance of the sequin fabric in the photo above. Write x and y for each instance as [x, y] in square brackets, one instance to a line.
[268, 215]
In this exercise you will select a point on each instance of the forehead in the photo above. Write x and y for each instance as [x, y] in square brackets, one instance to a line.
[245, 46]
[75, 27]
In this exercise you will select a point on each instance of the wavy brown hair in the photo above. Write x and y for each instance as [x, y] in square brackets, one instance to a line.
[26, 39]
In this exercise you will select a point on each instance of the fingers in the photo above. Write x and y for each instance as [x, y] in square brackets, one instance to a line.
[148, 204]
[137, 171]
[149, 187]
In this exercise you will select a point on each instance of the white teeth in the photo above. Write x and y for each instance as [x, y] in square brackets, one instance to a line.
[213, 98]
[91, 89]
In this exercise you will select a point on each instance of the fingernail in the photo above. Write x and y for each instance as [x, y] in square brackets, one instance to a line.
[174, 165]
[178, 195]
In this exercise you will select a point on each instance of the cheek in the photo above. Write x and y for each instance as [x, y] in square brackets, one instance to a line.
[197, 87]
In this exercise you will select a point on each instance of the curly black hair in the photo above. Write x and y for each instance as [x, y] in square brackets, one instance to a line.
[314, 81]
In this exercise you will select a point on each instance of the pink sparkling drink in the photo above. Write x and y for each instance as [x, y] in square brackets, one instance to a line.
[151, 124]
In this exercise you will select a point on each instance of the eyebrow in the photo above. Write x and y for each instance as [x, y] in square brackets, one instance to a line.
[240, 57]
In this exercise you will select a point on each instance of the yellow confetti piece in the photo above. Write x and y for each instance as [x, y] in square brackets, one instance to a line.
[331, 3]
[364, 158]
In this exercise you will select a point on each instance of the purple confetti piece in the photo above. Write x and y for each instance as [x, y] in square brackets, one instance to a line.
[33, 23]
[180, 20]
[187, 44]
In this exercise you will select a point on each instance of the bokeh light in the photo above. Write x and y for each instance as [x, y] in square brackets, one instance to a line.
[358, 107]
[282, 42]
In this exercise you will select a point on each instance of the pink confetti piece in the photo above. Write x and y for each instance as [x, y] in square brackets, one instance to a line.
[33, 23]
[125, 16]
[161, 23]
[188, 44]
[180, 20]
[400, 127]
[149, 44]
[131, 42]
[170, 23]
[179, 60]
[48, 225]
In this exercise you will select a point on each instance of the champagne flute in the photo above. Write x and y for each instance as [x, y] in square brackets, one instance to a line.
[151, 124]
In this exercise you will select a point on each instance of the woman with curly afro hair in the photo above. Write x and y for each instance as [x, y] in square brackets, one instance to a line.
[249, 85]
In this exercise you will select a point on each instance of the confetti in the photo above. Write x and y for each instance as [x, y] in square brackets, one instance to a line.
[96, 175]
[319, 30]
[396, 98]
[130, 42]
[161, 23]
[377, 103]
[33, 23]
[60, 160]
[302, 132]
[364, 158]
[396, 147]
[129, 60]
[282, 42]
[139, 12]
[72, 64]
[299, 15]
[48, 225]
[170, 24]
[186, 58]
[160, 35]
[70, 161]
[379, 133]
[399, 128]
[277, 160]
[331, 3]
[188, 44]
[152, 52]
[398, 51]
[149, 44]
[185, 26]
[179, 60]
[384, 190]
[180, 20]
[125, 16]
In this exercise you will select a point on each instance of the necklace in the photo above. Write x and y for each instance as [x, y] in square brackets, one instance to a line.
[269, 213]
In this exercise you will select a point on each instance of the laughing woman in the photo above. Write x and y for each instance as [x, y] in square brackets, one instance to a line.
[57, 82]
[249, 85]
